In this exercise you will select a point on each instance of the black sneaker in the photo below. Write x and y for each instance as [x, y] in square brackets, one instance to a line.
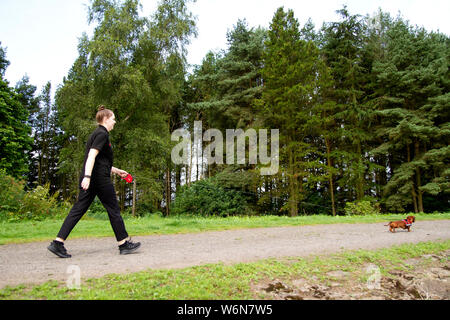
[58, 248]
[129, 247]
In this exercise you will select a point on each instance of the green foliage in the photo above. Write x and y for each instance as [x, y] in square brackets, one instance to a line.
[207, 198]
[227, 85]
[12, 193]
[343, 48]
[4, 63]
[413, 102]
[361, 208]
[15, 140]
[296, 79]
[362, 106]
[38, 204]
[135, 66]
[16, 204]
[172, 25]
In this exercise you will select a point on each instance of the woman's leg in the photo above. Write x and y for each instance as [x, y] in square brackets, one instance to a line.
[107, 196]
[85, 199]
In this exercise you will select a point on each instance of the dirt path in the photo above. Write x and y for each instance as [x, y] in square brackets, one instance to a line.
[33, 263]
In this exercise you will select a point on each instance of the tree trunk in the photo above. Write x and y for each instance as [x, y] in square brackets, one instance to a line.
[381, 176]
[39, 181]
[189, 169]
[333, 207]
[168, 182]
[177, 177]
[360, 176]
[133, 208]
[360, 183]
[197, 150]
[413, 191]
[293, 203]
[418, 179]
[168, 192]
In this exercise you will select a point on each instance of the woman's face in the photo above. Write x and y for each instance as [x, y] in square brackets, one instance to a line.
[110, 122]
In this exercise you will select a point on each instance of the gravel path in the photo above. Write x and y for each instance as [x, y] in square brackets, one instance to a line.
[33, 263]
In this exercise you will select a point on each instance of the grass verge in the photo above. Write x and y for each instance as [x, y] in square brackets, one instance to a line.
[29, 231]
[223, 282]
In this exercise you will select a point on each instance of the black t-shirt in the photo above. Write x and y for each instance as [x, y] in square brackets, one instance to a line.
[101, 173]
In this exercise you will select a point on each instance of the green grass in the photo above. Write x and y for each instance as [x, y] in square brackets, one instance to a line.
[224, 282]
[29, 231]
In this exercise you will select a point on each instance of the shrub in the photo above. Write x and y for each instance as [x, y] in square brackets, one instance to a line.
[361, 208]
[207, 198]
[11, 195]
[16, 204]
[38, 204]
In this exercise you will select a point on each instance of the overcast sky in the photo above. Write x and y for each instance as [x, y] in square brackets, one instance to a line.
[41, 36]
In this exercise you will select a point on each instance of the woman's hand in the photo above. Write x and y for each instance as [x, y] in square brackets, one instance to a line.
[85, 183]
[121, 173]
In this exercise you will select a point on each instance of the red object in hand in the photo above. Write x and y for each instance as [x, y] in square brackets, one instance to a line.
[128, 178]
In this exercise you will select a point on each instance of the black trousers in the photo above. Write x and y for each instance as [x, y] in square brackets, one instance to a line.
[107, 196]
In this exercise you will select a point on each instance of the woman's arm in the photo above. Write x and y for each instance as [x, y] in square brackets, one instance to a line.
[88, 168]
[121, 173]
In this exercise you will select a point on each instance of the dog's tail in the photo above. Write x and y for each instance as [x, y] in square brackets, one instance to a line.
[388, 224]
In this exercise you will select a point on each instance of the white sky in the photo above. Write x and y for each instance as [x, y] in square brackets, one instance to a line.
[41, 36]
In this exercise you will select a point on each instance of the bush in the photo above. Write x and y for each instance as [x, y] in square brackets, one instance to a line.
[12, 193]
[16, 204]
[37, 203]
[361, 208]
[207, 198]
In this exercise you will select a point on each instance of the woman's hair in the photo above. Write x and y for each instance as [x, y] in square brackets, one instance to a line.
[103, 114]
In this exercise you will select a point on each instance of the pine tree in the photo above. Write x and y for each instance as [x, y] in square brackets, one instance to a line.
[413, 102]
[225, 87]
[47, 141]
[239, 77]
[15, 141]
[342, 45]
[294, 78]
[27, 97]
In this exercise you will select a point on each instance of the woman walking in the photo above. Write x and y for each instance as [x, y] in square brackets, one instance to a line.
[95, 180]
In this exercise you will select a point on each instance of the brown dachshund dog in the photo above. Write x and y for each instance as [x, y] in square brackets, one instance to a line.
[404, 224]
